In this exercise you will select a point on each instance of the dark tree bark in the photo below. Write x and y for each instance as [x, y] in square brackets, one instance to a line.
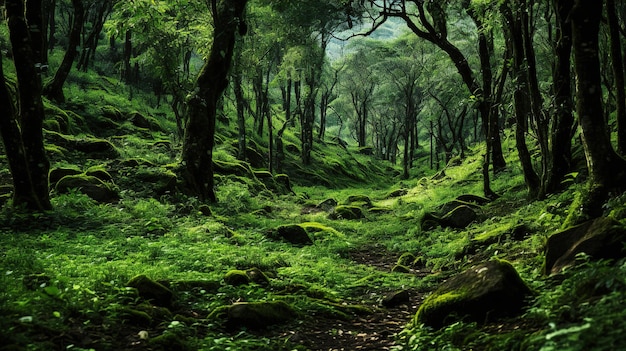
[22, 130]
[240, 104]
[521, 94]
[606, 168]
[91, 43]
[562, 130]
[54, 89]
[36, 30]
[52, 26]
[128, 49]
[197, 155]
[618, 73]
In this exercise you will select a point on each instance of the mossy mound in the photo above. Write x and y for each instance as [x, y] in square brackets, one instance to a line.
[293, 233]
[258, 315]
[91, 186]
[151, 290]
[168, 341]
[347, 212]
[482, 293]
[236, 277]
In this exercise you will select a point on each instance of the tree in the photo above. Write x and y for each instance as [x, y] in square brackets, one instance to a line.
[197, 154]
[21, 128]
[54, 89]
[607, 169]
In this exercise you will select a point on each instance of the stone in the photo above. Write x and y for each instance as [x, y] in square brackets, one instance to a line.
[258, 276]
[460, 217]
[236, 277]
[482, 293]
[478, 200]
[359, 199]
[327, 205]
[258, 315]
[396, 298]
[88, 185]
[57, 173]
[400, 269]
[347, 212]
[294, 234]
[601, 238]
[151, 290]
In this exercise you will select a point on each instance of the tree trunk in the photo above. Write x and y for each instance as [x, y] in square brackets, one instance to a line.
[24, 139]
[34, 20]
[561, 136]
[91, 43]
[606, 167]
[128, 49]
[197, 155]
[618, 72]
[521, 95]
[240, 105]
[54, 89]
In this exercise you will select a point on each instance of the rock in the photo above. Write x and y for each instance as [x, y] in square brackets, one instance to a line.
[347, 212]
[168, 341]
[236, 277]
[396, 298]
[482, 293]
[151, 290]
[400, 269]
[406, 259]
[283, 179]
[294, 234]
[57, 173]
[257, 276]
[397, 193]
[327, 205]
[601, 238]
[258, 315]
[88, 185]
[96, 148]
[460, 217]
[99, 173]
[449, 206]
[359, 199]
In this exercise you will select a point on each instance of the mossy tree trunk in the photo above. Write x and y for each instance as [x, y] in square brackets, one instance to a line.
[618, 73]
[197, 155]
[21, 129]
[54, 89]
[606, 168]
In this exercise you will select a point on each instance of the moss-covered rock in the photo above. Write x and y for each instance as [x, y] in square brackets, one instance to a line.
[258, 315]
[400, 269]
[327, 205]
[361, 200]
[601, 238]
[460, 217]
[57, 173]
[294, 234]
[91, 186]
[347, 212]
[482, 293]
[236, 277]
[168, 341]
[151, 290]
[258, 276]
[406, 259]
[100, 173]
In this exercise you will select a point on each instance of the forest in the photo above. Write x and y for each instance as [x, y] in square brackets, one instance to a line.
[402, 175]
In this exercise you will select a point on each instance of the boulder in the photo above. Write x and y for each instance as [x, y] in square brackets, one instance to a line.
[601, 238]
[347, 212]
[88, 185]
[359, 199]
[396, 298]
[57, 173]
[460, 217]
[236, 277]
[294, 234]
[151, 290]
[258, 315]
[482, 293]
[327, 205]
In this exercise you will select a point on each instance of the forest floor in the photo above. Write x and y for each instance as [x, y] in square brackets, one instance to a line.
[65, 274]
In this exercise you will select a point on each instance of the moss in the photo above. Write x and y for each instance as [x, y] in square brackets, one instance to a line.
[406, 259]
[347, 212]
[151, 290]
[168, 341]
[257, 315]
[236, 277]
[136, 317]
[400, 269]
